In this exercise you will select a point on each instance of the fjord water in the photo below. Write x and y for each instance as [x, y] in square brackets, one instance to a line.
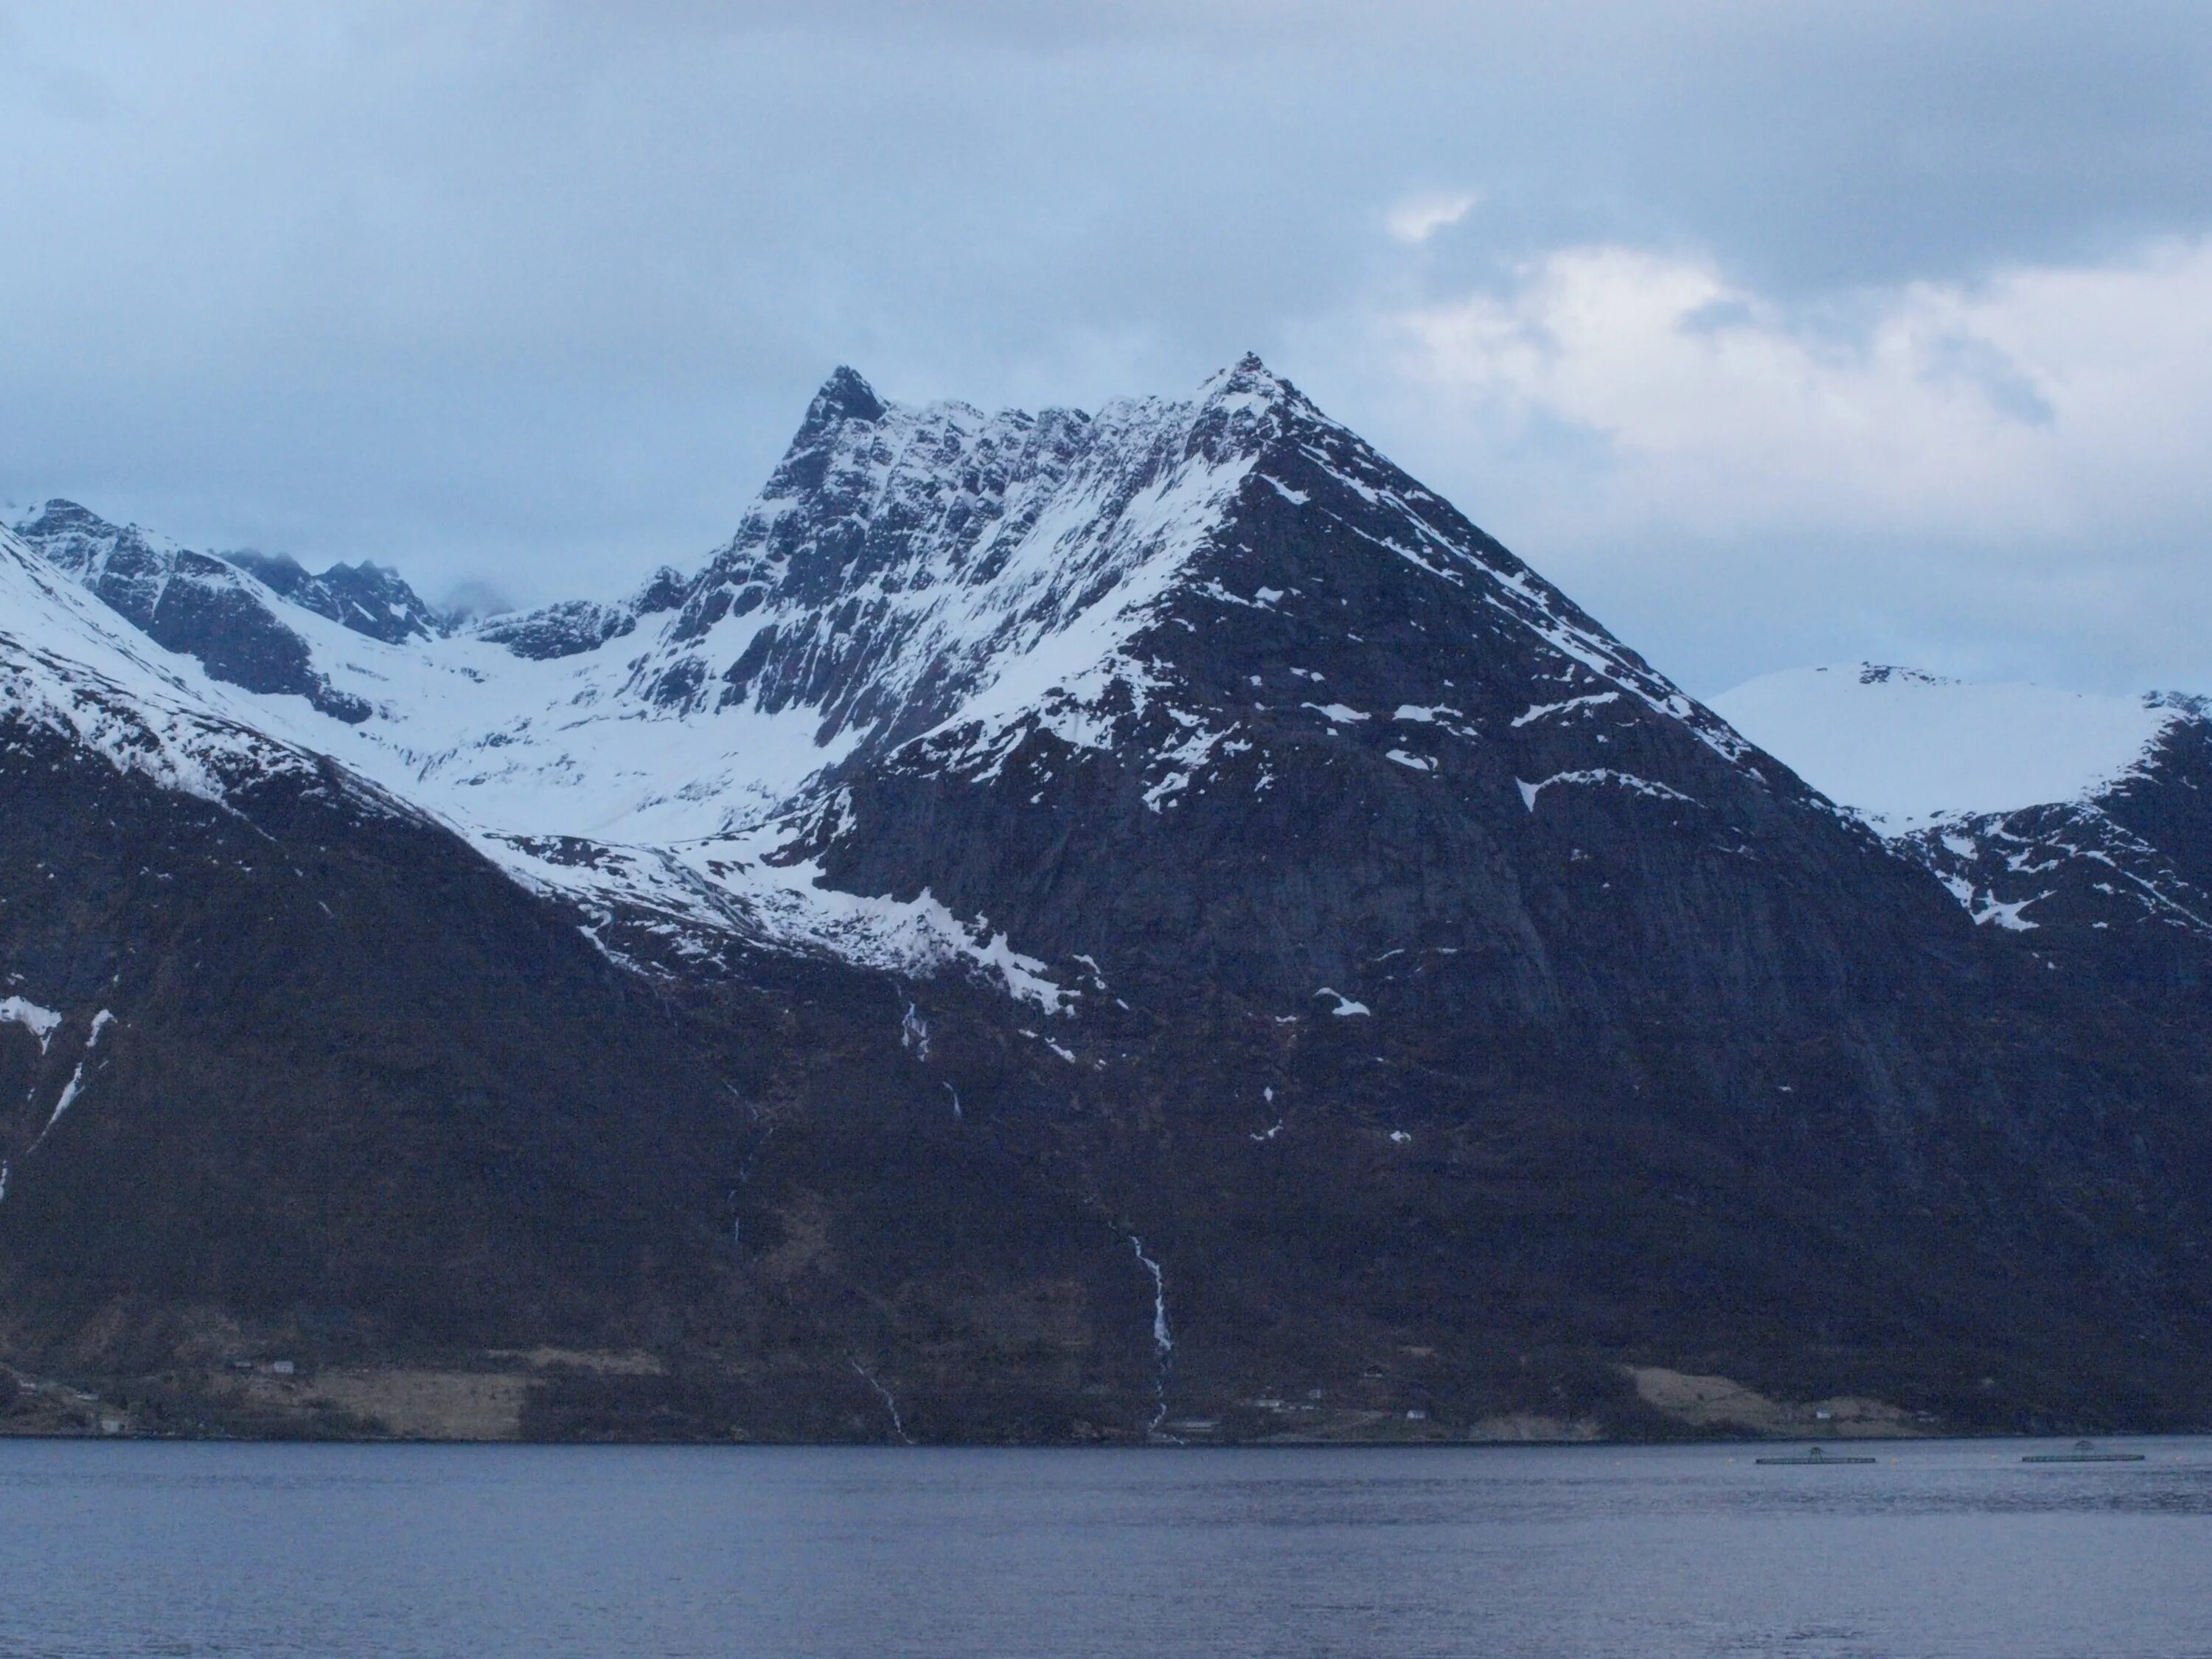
[1938, 1549]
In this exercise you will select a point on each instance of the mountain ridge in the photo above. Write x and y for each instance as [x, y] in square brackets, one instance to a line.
[1049, 879]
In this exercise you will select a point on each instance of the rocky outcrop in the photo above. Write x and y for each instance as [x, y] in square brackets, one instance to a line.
[193, 604]
[368, 598]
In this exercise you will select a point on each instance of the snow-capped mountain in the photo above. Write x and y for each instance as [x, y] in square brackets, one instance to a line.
[134, 571]
[191, 603]
[1067, 920]
[68, 666]
[1229, 653]
[923, 595]
[2036, 808]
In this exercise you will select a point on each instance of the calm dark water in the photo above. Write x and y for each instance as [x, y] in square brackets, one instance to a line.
[1945, 1549]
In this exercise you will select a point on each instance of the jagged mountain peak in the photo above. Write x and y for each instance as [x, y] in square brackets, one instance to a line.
[82, 541]
[365, 598]
[845, 395]
[1199, 595]
[890, 559]
[132, 569]
[1249, 382]
[849, 429]
[59, 513]
[916, 568]
[933, 533]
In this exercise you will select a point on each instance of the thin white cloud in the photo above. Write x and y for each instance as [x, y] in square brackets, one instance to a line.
[1419, 217]
[2048, 400]
[2003, 477]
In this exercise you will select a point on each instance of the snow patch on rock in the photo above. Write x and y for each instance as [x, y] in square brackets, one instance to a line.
[40, 1023]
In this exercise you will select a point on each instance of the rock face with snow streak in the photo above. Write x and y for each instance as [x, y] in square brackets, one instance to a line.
[365, 598]
[191, 603]
[1047, 882]
[2130, 858]
[1286, 713]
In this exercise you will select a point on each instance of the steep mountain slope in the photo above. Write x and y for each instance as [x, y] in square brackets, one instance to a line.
[1328, 721]
[1066, 926]
[189, 603]
[290, 1070]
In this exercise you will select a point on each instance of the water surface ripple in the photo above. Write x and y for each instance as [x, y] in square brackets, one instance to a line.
[1943, 1549]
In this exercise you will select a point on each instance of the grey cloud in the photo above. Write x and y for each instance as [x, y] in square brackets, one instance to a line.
[532, 294]
[2000, 379]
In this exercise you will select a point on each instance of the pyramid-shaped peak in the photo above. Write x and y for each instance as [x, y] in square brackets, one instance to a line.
[1247, 378]
[1248, 405]
[845, 395]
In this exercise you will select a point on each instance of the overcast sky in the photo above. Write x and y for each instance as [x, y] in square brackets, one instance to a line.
[1776, 333]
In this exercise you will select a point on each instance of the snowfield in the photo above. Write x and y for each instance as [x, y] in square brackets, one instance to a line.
[1909, 750]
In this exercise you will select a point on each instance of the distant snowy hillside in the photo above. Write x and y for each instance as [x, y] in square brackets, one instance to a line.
[1907, 748]
[2035, 807]
[71, 666]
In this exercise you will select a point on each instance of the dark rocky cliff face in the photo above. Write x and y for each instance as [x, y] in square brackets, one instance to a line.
[367, 599]
[1364, 730]
[1445, 1011]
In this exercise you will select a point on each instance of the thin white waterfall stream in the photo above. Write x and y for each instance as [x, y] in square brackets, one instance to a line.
[890, 1405]
[1163, 1338]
